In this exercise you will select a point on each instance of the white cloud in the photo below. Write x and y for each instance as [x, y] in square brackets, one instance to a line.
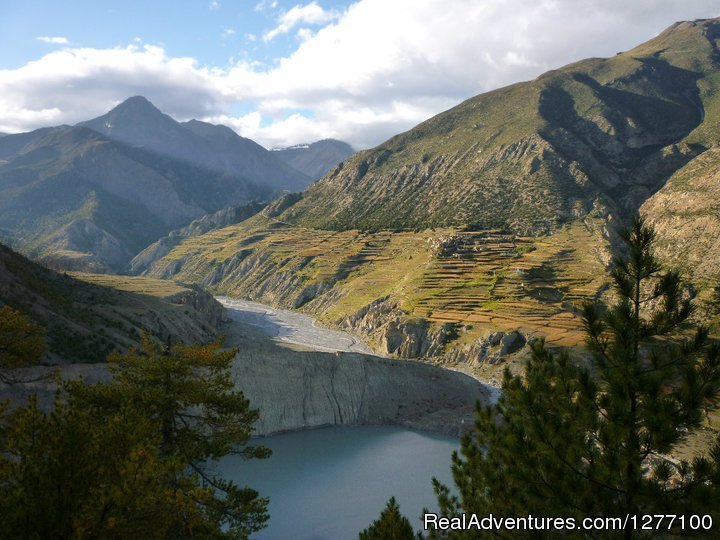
[304, 34]
[214, 5]
[228, 32]
[311, 13]
[56, 40]
[76, 84]
[265, 4]
[378, 69]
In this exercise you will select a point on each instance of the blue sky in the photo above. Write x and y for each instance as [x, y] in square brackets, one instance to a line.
[214, 32]
[285, 72]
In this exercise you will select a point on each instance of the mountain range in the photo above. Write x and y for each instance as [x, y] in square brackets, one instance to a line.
[498, 214]
[91, 196]
[317, 158]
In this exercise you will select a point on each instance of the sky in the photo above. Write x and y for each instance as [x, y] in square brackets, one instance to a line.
[288, 72]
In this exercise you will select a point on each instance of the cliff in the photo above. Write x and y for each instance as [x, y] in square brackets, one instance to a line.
[298, 390]
[295, 388]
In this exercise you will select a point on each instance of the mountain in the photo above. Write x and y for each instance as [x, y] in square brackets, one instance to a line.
[315, 159]
[91, 196]
[600, 135]
[138, 122]
[491, 222]
[86, 318]
[84, 201]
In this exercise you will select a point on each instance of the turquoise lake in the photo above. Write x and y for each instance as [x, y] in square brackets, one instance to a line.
[331, 483]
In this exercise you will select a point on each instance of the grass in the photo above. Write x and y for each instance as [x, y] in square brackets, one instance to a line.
[487, 282]
[134, 284]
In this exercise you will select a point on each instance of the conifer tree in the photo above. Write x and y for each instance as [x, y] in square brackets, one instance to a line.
[131, 458]
[391, 525]
[22, 342]
[591, 439]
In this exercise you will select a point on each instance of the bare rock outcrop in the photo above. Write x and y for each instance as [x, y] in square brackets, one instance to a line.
[298, 390]
[384, 322]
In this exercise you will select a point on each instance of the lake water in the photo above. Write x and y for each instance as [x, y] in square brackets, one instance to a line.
[331, 483]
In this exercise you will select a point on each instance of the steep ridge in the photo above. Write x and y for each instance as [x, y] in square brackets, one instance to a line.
[87, 316]
[491, 222]
[155, 251]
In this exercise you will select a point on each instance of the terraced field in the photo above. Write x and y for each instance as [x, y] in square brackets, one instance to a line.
[480, 281]
[497, 280]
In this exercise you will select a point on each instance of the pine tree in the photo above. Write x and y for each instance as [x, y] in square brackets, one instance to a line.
[131, 458]
[391, 525]
[22, 343]
[576, 440]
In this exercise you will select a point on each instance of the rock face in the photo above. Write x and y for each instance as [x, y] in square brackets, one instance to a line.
[384, 321]
[295, 390]
[491, 348]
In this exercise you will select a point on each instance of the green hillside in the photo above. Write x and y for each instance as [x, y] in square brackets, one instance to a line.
[600, 135]
[87, 316]
[494, 216]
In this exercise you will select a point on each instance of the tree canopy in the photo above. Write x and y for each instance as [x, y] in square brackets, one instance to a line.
[131, 458]
[391, 525]
[22, 342]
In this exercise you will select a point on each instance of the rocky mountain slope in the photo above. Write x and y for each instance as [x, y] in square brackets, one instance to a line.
[495, 216]
[600, 135]
[315, 159]
[686, 215]
[86, 316]
[92, 196]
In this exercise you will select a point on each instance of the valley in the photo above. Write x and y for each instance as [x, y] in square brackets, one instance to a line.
[492, 223]
[429, 295]
[508, 274]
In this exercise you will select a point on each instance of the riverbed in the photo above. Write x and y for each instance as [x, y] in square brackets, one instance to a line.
[291, 327]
